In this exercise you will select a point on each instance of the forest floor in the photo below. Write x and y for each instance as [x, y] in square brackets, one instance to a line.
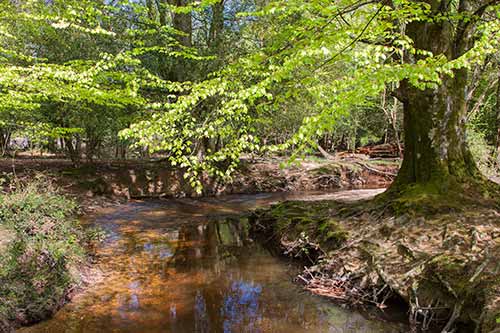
[445, 266]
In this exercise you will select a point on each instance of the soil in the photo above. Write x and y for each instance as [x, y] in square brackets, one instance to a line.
[444, 266]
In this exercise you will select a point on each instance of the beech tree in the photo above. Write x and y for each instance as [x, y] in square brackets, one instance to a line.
[71, 70]
[436, 151]
[325, 58]
[338, 55]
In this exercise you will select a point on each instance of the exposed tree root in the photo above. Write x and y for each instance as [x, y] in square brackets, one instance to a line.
[442, 264]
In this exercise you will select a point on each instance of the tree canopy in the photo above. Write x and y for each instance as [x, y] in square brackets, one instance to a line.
[203, 83]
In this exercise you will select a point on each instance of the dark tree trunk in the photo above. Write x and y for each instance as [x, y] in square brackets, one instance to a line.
[437, 158]
[184, 25]
[217, 26]
[91, 147]
[73, 147]
[162, 11]
[151, 9]
[436, 150]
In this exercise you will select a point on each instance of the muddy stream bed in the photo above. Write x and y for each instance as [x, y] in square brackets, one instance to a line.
[191, 266]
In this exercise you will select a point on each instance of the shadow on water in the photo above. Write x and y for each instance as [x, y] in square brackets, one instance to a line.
[181, 266]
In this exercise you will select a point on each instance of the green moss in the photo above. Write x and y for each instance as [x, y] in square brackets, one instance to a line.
[352, 167]
[423, 199]
[291, 219]
[337, 168]
[331, 234]
[388, 162]
[451, 270]
[328, 169]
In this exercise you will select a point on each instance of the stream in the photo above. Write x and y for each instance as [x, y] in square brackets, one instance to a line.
[190, 265]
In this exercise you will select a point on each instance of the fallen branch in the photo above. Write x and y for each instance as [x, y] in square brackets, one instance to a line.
[325, 154]
[380, 172]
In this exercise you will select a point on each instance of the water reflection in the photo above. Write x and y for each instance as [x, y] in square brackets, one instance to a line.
[169, 270]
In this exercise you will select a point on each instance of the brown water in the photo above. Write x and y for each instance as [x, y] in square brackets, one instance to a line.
[184, 266]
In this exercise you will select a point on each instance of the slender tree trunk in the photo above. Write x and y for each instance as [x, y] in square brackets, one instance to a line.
[151, 9]
[162, 11]
[5, 136]
[183, 23]
[91, 148]
[73, 147]
[217, 26]
[391, 114]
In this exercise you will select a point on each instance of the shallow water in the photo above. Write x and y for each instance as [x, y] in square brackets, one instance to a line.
[184, 266]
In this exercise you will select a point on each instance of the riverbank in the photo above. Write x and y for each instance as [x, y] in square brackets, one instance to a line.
[45, 254]
[190, 265]
[441, 265]
[113, 182]
[444, 265]
[109, 184]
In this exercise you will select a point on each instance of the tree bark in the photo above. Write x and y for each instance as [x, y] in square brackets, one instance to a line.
[73, 146]
[436, 157]
[151, 9]
[436, 150]
[217, 26]
[162, 11]
[5, 136]
[392, 118]
[183, 23]
[91, 147]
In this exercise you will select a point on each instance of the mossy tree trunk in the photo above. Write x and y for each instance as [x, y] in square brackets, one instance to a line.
[436, 149]
[437, 158]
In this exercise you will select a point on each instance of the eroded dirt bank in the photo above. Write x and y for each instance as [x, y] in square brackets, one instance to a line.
[92, 183]
[444, 266]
